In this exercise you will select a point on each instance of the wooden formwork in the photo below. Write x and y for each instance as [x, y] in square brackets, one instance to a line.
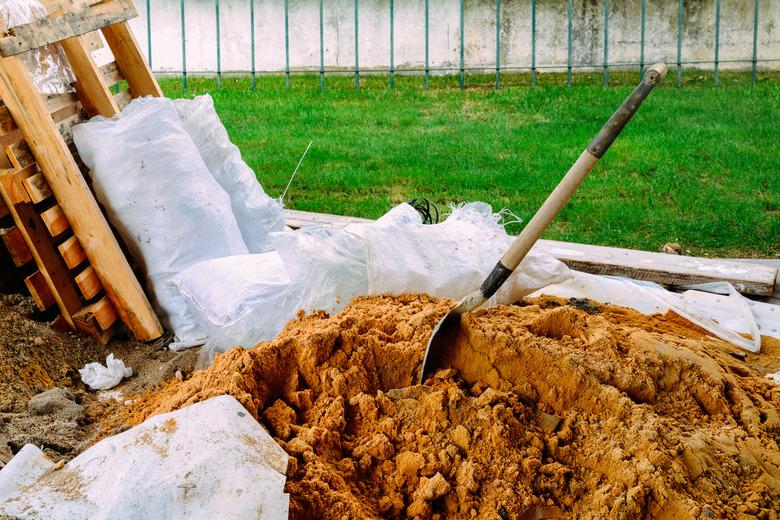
[52, 226]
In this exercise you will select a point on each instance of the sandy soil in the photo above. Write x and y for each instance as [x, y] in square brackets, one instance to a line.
[550, 409]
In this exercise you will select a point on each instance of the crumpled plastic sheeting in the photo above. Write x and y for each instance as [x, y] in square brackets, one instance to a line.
[47, 65]
[99, 377]
[208, 460]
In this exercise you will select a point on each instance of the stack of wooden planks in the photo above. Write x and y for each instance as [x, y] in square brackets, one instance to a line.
[52, 226]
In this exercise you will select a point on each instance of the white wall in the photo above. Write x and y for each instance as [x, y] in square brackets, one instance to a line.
[736, 33]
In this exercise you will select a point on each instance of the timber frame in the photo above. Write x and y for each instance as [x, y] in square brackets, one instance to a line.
[55, 232]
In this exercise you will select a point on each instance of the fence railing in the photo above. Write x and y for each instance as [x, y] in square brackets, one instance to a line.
[463, 68]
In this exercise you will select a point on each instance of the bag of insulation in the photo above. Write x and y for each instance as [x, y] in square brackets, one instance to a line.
[257, 214]
[47, 65]
[247, 299]
[162, 199]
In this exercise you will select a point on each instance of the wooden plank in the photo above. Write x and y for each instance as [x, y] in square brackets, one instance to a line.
[39, 290]
[298, 219]
[55, 221]
[65, 25]
[93, 42]
[71, 191]
[37, 188]
[15, 244]
[90, 84]
[111, 73]
[3, 209]
[669, 270]
[88, 283]
[661, 268]
[46, 257]
[103, 312]
[131, 61]
[72, 252]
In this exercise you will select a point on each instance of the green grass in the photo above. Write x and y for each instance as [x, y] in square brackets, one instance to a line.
[698, 165]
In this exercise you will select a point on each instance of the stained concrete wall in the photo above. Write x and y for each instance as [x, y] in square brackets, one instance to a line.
[736, 33]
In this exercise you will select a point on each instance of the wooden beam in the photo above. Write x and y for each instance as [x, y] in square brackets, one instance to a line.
[39, 290]
[37, 188]
[71, 191]
[131, 62]
[55, 221]
[60, 26]
[72, 252]
[662, 268]
[111, 73]
[15, 244]
[102, 311]
[90, 85]
[669, 270]
[88, 283]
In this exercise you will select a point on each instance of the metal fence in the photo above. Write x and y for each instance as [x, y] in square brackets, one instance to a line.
[426, 71]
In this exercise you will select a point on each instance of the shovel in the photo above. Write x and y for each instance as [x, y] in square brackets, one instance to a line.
[443, 335]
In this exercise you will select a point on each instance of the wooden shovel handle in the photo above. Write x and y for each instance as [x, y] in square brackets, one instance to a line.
[571, 181]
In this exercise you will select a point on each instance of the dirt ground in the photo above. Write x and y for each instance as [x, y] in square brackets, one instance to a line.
[550, 409]
[34, 358]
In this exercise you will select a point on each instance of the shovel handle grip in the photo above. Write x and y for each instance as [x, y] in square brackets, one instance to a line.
[569, 184]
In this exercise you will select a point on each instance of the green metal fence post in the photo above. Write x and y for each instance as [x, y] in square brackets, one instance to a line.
[149, 33]
[322, 47]
[717, 40]
[606, 43]
[287, 43]
[642, 43]
[755, 41]
[462, 45]
[183, 49]
[219, 49]
[569, 8]
[392, 57]
[427, 66]
[498, 44]
[533, 43]
[252, 44]
[679, 41]
[357, 66]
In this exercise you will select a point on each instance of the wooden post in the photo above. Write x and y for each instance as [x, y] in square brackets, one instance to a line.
[71, 190]
[130, 60]
[92, 89]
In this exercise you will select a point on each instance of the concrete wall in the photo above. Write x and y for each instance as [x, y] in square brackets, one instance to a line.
[736, 33]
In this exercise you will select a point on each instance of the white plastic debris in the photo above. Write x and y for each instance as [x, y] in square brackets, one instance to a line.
[161, 197]
[47, 65]
[208, 460]
[99, 377]
[774, 377]
[245, 299]
[257, 214]
[720, 310]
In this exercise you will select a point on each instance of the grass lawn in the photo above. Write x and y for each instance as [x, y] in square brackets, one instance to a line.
[698, 165]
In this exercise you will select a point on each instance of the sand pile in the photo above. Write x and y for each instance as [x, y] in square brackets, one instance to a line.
[553, 410]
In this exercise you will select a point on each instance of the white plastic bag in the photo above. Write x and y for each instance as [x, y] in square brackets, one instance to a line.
[160, 196]
[240, 300]
[452, 259]
[99, 377]
[47, 65]
[205, 461]
[257, 214]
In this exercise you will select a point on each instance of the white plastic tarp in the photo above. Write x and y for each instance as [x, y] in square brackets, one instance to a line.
[208, 460]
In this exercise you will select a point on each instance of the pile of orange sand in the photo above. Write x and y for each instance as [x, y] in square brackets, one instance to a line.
[550, 409]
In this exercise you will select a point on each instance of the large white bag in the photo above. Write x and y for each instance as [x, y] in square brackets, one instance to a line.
[257, 214]
[160, 196]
